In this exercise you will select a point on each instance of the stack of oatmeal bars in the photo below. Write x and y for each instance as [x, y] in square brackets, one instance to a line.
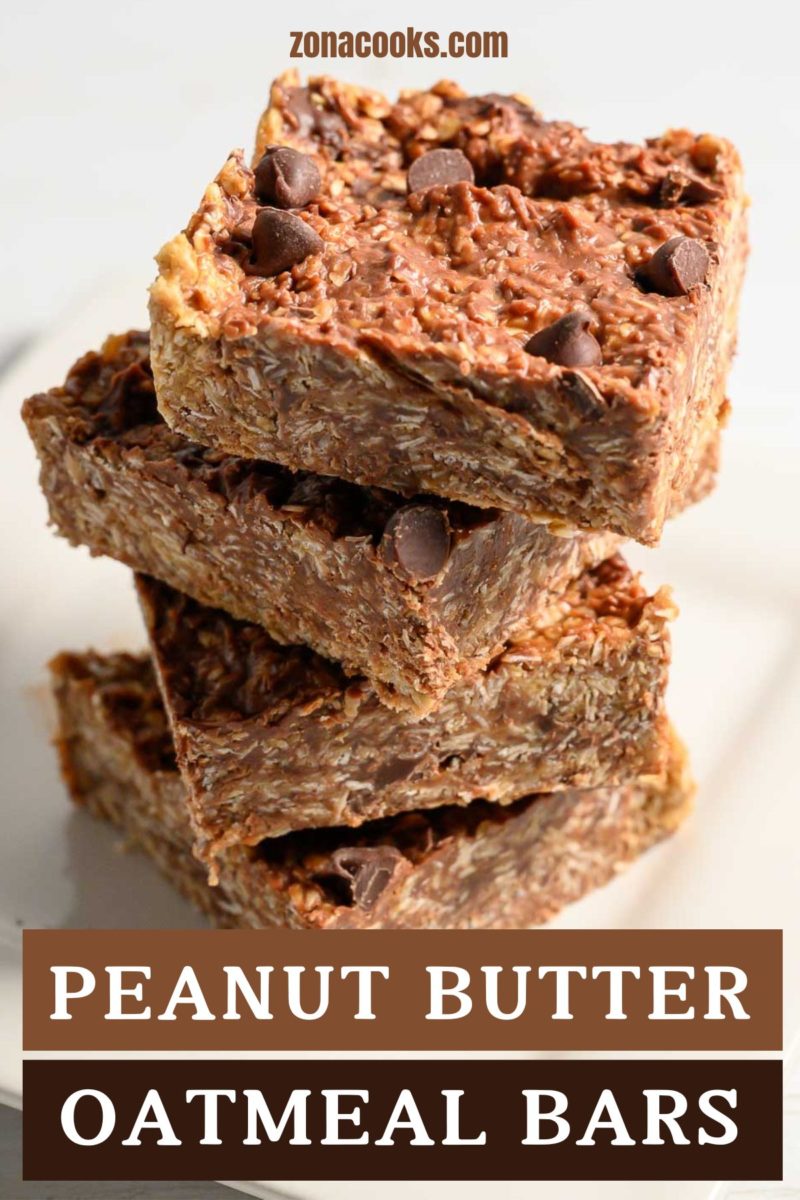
[411, 380]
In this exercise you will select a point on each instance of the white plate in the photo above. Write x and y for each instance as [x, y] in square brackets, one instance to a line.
[735, 697]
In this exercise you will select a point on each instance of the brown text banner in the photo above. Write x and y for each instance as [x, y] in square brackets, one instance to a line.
[402, 1119]
[501, 990]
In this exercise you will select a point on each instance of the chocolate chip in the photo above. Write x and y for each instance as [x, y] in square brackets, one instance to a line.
[699, 192]
[301, 110]
[131, 399]
[677, 266]
[392, 770]
[312, 120]
[495, 100]
[582, 395]
[439, 167]
[287, 178]
[567, 342]
[330, 129]
[676, 187]
[331, 503]
[365, 871]
[416, 541]
[280, 240]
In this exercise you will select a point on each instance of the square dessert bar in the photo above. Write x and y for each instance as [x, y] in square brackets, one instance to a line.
[451, 295]
[477, 867]
[413, 595]
[270, 739]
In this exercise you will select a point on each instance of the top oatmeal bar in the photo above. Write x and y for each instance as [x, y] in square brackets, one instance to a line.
[450, 294]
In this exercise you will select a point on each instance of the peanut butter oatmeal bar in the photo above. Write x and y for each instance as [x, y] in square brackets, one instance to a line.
[451, 295]
[413, 595]
[477, 867]
[270, 739]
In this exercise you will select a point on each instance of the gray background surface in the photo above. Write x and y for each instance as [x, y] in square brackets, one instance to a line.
[12, 1189]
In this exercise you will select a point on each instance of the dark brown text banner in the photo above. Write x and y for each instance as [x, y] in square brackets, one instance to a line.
[402, 1119]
